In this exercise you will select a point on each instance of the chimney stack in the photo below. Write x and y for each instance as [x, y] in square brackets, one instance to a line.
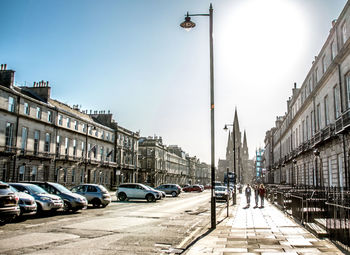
[7, 77]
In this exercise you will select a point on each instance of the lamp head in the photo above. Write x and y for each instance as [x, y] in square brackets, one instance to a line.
[187, 24]
[225, 127]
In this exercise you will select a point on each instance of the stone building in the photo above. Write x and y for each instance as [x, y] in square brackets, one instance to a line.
[309, 144]
[241, 156]
[47, 140]
[169, 164]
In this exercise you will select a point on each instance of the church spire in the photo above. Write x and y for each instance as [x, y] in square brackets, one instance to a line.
[245, 145]
[235, 120]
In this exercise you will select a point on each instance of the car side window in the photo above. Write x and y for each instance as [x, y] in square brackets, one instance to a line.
[20, 188]
[91, 189]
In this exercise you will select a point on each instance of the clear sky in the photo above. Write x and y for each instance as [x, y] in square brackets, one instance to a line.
[132, 57]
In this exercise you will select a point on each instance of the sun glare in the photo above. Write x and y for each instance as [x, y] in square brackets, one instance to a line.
[263, 34]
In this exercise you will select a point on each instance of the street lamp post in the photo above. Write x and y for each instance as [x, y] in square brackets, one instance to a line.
[234, 157]
[188, 24]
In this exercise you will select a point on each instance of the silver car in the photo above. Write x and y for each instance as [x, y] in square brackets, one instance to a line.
[26, 202]
[44, 200]
[97, 195]
[137, 191]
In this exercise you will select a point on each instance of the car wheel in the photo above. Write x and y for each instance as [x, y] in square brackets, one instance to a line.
[96, 202]
[39, 209]
[66, 206]
[150, 198]
[174, 194]
[122, 196]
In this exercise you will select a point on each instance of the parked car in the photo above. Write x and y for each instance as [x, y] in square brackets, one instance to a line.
[9, 208]
[71, 201]
[44, 200]
[137, 191]
[26, 202]
[217, 183]
[161, 193]
[171, 189]
[192, 188]
[97, 195]
[221, 193]
[202, 187]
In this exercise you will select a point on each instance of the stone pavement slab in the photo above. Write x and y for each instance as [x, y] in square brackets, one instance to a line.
[260, 231]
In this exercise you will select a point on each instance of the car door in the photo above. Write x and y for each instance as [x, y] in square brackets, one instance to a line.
[90, 192]
[140, 192]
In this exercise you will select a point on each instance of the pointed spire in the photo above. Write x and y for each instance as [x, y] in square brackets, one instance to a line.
[245, 145]
[229, 145]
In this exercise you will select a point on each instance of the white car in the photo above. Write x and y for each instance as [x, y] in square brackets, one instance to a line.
[221, 193]
[136, 191]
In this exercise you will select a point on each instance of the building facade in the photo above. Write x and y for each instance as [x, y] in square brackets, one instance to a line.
[46, 140]
[310, 144]
[169, 164]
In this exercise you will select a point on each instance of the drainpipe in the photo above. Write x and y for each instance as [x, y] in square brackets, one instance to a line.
[16, 135]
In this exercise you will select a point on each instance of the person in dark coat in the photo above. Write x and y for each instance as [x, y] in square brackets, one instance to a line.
[256, 195]
[262, 192]
[248, 193]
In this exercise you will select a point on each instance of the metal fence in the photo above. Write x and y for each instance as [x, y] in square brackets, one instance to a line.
[308, 205]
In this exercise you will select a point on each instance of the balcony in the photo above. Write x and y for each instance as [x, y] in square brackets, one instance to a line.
[346, 119]
[8, 150]
[35, 154]
[317, 138]
[338, 125]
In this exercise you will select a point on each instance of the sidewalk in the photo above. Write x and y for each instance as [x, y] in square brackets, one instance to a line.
[260, 231]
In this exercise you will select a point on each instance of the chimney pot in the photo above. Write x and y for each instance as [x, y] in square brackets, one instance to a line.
[5, 66]
[47, 83]
[2, 66]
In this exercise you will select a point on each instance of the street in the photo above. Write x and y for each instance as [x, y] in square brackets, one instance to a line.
[133, 227]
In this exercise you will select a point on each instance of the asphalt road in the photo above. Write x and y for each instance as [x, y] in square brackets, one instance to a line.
[132, 227]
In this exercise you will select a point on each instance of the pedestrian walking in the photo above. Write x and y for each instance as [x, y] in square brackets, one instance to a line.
[262, 192]
[248, 193]
[256, 195]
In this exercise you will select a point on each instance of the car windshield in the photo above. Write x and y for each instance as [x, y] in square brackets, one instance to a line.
[61, 188]
[220, 189]
[103, 189]
[13, 189]
[36, 189]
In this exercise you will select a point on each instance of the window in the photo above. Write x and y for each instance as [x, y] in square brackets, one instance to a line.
[76, 124]
[347, 82]
[60, 120]
[310, 86]
[90, 131]
[47, 142]
[24, 138]
[326, 111]
[68, 122]
[9, 135]
[38, 112]
[26, 109]
[22, 170]
[11, 105]
[107, 154]
[58, 145]
[103, 134]
[89, 150]
[82, 149]
[84, 128]
[312, 123]
[318, 117]
[307, 127]
[340, 170]
[73, 176]
[66, 146]
[95, 173]
[101, 152]
[330, 181]
[343, 30]
[107, 136]
[324, 64]
[36, 141]
[81, 176]
[316, 75]
[303, 130]
[74, 147]
[96, 132]
[336, 95]
[49, 116]
[33, 173]
[333, 50]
